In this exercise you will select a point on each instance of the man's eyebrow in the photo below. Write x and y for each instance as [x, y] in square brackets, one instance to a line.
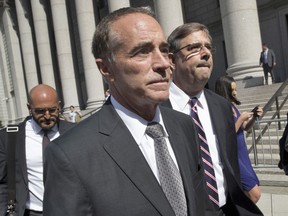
[164, 44]
[141, 45]
[148, 44]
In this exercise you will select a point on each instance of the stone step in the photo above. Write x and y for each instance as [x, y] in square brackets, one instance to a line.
[268, 148]
[271, 176]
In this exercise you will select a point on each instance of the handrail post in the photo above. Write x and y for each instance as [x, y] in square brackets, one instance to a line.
[254, 147]
[278, 112]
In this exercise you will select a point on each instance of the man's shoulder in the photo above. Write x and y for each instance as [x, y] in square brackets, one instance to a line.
[211, 95]
[168, 112]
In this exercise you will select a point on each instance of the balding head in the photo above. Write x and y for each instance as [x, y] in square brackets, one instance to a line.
[44, 105]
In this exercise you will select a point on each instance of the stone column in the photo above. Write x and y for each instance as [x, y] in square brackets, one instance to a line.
[43, 43]
[243, 41]
[15, 82]
[64, 52]
[169, 14]
[93, 78]
[27, 46]
[117, 4]
[7, 109]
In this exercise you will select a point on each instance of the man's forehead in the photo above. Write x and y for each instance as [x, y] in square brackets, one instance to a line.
[198, 36]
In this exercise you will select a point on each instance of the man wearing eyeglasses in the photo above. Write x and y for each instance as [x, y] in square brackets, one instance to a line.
[191, 63]
[34, 133]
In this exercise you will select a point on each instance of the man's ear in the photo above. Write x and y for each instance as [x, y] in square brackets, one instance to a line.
[60, 106]
[172, 60]
[103, 66]
[29, 108]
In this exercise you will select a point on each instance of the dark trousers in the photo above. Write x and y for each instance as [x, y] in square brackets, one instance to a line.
[32, 213]
[267, 69]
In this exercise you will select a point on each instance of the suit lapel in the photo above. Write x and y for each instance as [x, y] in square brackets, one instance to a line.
[21, 151]
[217, 121]
[123, 149]
[217, 116]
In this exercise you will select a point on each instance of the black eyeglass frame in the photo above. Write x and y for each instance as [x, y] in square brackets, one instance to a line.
[42, 111]
[211, 48]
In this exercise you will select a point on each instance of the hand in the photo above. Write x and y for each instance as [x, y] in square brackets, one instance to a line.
[245, 116]
[259, 112]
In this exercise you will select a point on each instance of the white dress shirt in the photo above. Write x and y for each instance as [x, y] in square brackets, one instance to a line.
[137, 127]
[180, 102]
[33, 147]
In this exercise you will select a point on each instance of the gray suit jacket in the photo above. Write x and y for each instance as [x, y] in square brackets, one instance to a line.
[22, 191]
[224, 126]
[271, 58]
[97, 168]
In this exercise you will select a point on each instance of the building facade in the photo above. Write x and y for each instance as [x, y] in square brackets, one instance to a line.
[49, 41]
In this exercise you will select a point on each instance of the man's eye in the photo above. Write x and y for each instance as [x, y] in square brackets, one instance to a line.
[208, 46]
[193, 47]
[144, 51]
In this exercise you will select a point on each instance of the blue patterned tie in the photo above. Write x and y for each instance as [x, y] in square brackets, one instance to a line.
[169, 175]
[205, 154]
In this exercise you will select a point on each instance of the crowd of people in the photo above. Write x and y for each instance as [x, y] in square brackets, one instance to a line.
[162, 144]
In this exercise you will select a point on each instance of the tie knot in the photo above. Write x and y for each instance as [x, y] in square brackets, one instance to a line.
[154, 130]
[193, 101]
[45, 132]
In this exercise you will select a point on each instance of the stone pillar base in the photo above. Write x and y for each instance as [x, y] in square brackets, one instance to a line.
[249, 81]
[246, 75]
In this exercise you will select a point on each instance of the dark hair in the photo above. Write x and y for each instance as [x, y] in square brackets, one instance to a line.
[183, 31]
[103, 35]
[223, 88]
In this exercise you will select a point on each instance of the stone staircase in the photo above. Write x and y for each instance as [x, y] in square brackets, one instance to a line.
[267, 148]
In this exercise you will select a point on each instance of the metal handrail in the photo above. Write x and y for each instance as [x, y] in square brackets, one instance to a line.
[267, 107]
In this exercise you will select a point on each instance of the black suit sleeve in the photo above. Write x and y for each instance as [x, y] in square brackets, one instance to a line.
[283, 163]
[60, 176]
[3, 173]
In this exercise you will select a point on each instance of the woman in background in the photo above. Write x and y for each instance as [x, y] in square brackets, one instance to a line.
[226, 87]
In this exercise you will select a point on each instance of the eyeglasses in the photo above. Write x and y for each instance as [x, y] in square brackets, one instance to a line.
[42, 111]
[195, 48]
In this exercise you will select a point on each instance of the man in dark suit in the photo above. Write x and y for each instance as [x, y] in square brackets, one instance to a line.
[107, 165]
[268, 62]
[191, 62]
[44, 107]
[283, 151]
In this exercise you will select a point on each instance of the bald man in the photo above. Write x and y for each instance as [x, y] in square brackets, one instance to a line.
[44, 107]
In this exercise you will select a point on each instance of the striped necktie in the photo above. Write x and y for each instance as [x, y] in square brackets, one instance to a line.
[205, 154]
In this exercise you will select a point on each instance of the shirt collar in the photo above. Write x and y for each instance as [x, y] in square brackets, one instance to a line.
[179, 96]
[135, 123]
[182, 99]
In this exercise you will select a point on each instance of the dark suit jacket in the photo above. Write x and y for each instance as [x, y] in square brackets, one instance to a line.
[271, 58]
[283, 163]
[224, 126]
[97, 168]
[22, 191]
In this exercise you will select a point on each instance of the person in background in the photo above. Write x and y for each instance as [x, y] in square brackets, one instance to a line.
[132, 157]
[191, 51]
[74, 115]
[226, 87]
[44, 107]
[268, 62]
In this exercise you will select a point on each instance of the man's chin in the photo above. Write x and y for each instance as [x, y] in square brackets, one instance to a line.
[160, 97]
